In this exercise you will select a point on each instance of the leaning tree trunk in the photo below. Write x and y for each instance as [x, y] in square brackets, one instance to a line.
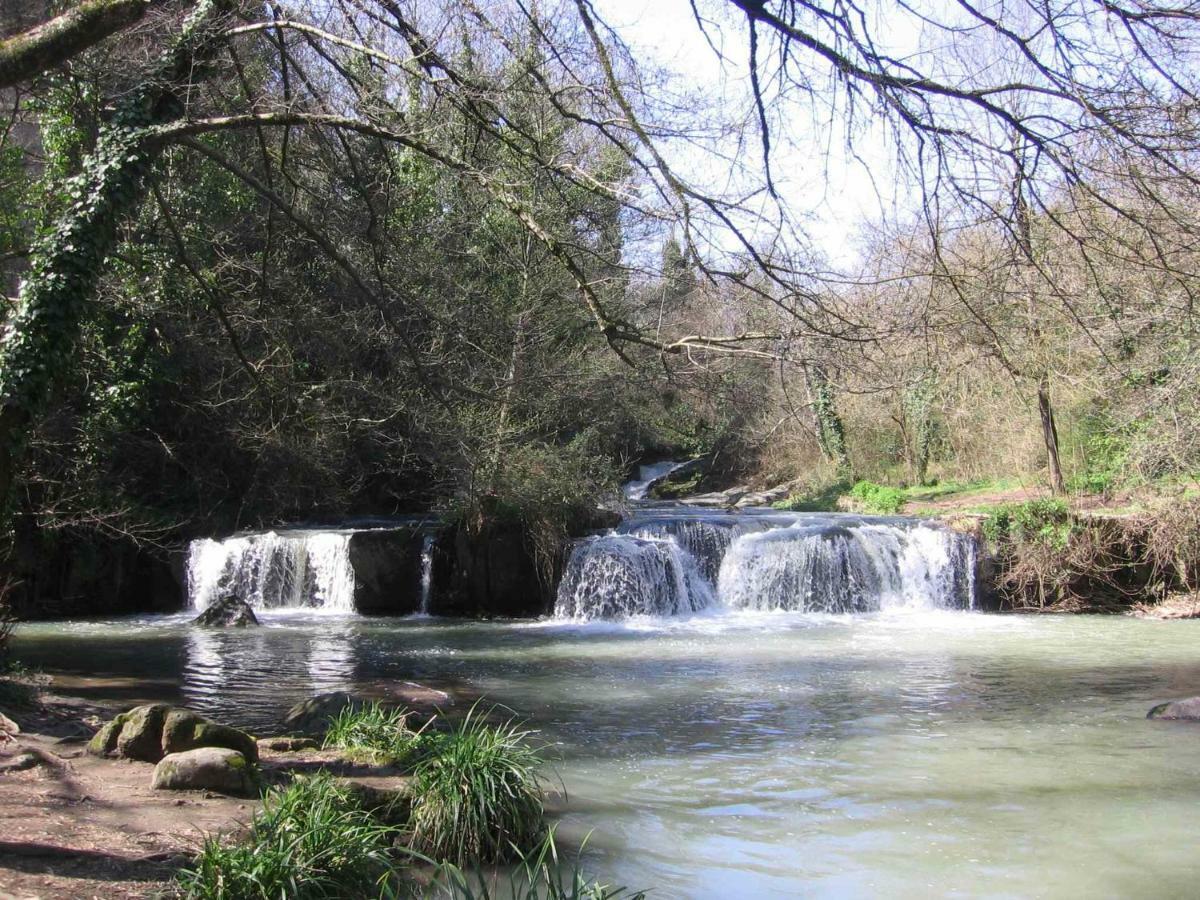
[1050, 436]
[40, 338]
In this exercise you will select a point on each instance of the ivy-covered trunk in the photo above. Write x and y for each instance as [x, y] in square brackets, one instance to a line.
[40, 338]
[831, 432]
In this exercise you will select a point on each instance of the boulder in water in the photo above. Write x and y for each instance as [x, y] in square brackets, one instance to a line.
[148, 733]
[228, 612]
[1185, 710]
[204, 769]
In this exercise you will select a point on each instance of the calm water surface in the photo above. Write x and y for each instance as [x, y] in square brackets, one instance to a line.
[772, 755]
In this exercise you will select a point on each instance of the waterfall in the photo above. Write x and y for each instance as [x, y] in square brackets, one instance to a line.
[679, 562]
[426, 574]
[647, 476]
[613, 576]
[272, 570]
[844, 569]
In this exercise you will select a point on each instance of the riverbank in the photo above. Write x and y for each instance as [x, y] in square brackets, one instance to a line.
[76, 825]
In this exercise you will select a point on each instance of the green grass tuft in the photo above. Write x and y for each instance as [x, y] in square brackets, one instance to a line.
[310, 841]
[477, 793]
[538, 875]
[376, 731]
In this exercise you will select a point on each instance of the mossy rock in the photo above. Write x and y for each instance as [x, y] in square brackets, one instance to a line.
[141, 733]
[205, 769]
[148, 733]
[104, 741]
[185, 730]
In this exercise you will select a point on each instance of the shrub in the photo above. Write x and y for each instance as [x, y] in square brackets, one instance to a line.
[375, 730]
[1047, 521]
[546, 491]
[477, 793]
[878, 498]
[538, 875]
[311, 840]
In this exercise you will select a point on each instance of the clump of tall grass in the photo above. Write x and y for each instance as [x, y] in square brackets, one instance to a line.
[311, 840]
[477, 793]
[374, 730]
[538, 875]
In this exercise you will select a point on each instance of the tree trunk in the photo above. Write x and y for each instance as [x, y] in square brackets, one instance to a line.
[40, 339]
[831, 433]
[46, 46]
[1050, 436]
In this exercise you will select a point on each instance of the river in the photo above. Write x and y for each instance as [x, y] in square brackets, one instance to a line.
[762, 754]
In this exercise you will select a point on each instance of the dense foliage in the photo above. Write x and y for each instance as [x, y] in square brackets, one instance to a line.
[439, 256]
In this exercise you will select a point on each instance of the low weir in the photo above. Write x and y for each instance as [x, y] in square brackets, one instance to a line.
[672, 560]
[381, 568]
[663, 559]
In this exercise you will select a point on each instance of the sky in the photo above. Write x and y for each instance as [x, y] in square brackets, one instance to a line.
[821, 182]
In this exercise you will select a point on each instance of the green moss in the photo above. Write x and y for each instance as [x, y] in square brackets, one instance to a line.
[671, 490]
[104, 741]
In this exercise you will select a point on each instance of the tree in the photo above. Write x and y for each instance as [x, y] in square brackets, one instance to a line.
[32, 52]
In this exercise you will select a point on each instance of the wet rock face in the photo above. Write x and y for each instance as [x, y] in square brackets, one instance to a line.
[228, 612]
[387, 571]
[494, 574]
[1186, 710]
[148, 733]
[204, 769]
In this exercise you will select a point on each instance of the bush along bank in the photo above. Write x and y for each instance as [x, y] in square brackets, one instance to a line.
[1042, 556]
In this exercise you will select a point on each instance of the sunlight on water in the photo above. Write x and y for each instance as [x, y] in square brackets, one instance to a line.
[759, 754]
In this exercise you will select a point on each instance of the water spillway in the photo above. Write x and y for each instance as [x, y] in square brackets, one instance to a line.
[670, 559]
[380, 568]
[273, 570]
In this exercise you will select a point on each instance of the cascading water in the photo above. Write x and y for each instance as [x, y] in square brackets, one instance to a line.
[665, 561]
[612, 576]
[647, 476]
[426, 574]
[273, 570]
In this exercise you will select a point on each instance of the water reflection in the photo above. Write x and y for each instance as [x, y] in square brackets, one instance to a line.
[777, 755]
[250, 676]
